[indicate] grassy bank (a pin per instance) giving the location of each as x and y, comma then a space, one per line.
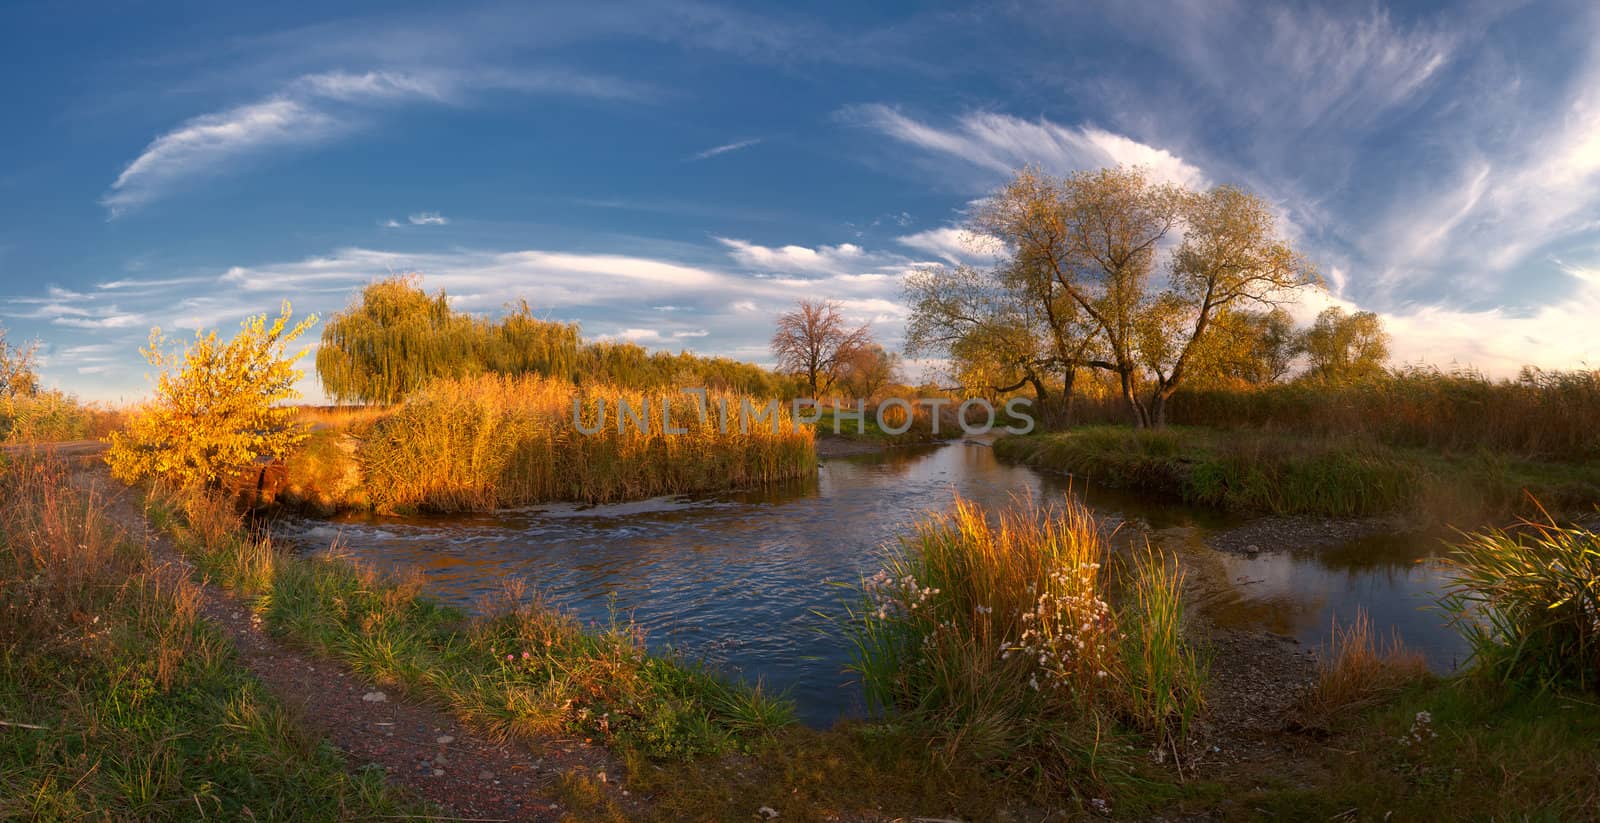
1281, 473
521, 670
489, 442
120, 701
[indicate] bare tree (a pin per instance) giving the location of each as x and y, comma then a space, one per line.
814, 340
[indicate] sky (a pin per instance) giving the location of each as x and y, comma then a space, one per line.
678, 173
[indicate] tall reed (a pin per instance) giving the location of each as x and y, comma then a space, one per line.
499, 441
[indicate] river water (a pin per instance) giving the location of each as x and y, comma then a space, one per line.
754, 583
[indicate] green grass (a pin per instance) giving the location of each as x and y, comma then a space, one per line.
142, 709
1480, 752
867, 429
522, 669
1528, 602
1271, 472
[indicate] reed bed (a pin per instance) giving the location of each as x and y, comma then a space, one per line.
994, 636
52, 417
1253, 470
1550, 415
120, 701
495, 441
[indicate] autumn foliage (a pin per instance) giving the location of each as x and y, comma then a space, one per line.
218, 407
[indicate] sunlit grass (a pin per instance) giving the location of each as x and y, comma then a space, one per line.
121, 701
522, 669
1528, 602
993, 636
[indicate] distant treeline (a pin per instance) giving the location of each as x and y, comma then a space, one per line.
396, 338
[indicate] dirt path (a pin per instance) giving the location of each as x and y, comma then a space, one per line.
418, 746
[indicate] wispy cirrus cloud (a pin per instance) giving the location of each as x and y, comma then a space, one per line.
1001, 144
314, 109
725, 148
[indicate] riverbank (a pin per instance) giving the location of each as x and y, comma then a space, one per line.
323, 636
1269, 472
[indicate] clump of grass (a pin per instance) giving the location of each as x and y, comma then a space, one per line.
121, 701
520, 669
1162, 676
1527, 600
1358, 668
994, 638
494, 441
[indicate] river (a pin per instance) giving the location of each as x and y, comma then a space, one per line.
754, 583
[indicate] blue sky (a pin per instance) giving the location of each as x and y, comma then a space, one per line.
676, 173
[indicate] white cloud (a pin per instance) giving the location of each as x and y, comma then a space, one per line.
314, 109
206, 143
954, 245
1003, 144
427, 218
725, 148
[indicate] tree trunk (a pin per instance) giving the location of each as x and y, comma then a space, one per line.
1136, 409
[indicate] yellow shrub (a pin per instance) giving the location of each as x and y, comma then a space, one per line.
217, 407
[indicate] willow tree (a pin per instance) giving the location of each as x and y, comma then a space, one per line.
997, 333
1231, 256
1088, 242
395, 338
1344, 348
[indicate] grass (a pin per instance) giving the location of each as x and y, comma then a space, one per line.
1541, 415
121, 701
1280, 473
993, 639
831, 423
1528, 602
52, 417
489, 442
1435, 750
1358, 668
521, 670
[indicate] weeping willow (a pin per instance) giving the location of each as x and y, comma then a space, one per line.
395, 338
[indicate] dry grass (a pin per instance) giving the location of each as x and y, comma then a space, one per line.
1358, 668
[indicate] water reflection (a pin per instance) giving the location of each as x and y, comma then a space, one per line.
743, 580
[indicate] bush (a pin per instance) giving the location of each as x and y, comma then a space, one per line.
217, 409
1528, 602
